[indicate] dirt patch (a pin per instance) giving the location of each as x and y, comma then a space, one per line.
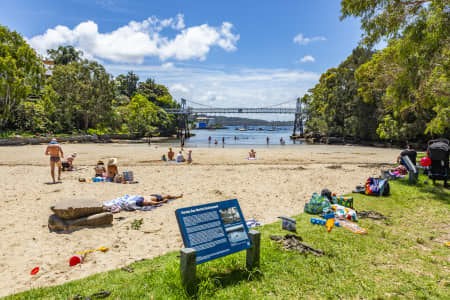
293, 242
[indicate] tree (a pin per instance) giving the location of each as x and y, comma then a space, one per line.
21, 74
86, 94
141, 115
127, 84
412, 73
334, 106
65, 55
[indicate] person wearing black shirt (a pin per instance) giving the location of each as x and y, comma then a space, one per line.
410, 152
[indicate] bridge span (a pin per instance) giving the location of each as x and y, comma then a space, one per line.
219, 110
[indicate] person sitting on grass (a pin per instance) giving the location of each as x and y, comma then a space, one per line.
156, 199
170, 154
410, 152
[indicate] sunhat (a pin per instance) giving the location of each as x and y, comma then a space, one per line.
112, 161
100, 162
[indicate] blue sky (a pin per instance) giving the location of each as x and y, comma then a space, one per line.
222, 53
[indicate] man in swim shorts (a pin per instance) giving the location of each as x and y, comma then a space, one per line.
54, 150
156, 199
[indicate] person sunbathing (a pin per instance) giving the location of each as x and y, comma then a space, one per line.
156, 199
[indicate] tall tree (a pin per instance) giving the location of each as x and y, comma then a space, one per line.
127, 84
21, 73
86, 93
412, 73
65, 55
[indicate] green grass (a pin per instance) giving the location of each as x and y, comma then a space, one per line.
402, 257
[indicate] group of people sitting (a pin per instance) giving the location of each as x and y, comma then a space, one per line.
110, 173
179, 158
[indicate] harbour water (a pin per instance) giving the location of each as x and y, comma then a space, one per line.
253, 136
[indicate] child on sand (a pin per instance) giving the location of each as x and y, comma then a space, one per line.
170, 154
189, 159
252, 154
163, 158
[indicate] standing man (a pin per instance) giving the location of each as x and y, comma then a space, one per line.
267, 140
54, 150
223, 140
182, 141
209, 140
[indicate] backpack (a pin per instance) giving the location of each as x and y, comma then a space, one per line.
317, 205
377, 187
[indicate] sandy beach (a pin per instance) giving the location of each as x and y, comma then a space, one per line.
278, 183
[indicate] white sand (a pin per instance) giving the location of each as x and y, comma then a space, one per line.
271, 186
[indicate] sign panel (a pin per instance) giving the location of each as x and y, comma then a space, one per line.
213, 230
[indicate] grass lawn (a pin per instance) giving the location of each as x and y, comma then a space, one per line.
402, 257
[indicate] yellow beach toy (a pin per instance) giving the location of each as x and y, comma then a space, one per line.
103, 249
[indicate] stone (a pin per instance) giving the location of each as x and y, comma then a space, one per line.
69, 209
58, 224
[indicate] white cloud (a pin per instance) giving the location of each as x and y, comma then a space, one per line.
228, 88
134, 42
168, 65
301, 40
307, 58
178, 88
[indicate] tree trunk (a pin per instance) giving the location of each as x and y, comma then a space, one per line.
86, 121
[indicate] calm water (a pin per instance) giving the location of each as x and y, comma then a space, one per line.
252, 136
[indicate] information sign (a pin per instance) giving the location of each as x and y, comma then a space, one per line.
213, 230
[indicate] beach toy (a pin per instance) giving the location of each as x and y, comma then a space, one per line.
103, 249
34, 271
329, 224
353, 227
75, 260
425, 161
315, 221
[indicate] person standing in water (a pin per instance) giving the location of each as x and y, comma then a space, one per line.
267, 140
54, 150
223, 140
209, 140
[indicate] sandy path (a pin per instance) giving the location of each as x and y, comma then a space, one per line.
278, 183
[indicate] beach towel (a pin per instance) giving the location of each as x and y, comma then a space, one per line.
252, 223
128, 203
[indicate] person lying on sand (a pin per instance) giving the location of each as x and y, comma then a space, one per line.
54, 150
156, 199
252, 154
170, 154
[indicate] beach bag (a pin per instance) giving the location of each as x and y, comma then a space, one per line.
344, 201
128, 175
317, 205
377, 187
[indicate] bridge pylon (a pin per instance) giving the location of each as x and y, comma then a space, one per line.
298, 121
